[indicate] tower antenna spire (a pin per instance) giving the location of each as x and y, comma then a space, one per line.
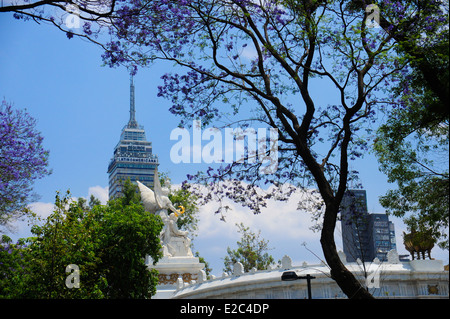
132, 122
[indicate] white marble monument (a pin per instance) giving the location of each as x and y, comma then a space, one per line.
178, 263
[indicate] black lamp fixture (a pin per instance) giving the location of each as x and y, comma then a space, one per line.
292, 275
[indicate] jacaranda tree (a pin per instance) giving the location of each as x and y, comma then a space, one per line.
257, 61
23, 159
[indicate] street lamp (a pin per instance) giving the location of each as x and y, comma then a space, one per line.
292, 275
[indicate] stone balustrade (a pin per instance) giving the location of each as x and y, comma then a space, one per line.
418, 279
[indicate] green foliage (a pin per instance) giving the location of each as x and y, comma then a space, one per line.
188, 220
412, 148
108, 243
418, 163
133, 234
419, 240
251, 251
207, 268
12, 258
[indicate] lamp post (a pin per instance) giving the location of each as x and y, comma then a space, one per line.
291, 276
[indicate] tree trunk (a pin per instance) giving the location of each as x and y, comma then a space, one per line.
339, 273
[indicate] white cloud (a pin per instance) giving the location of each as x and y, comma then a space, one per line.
249, 52
43, 210
22, 228
280, 219
281, 223
284, 220
102, 193
210, 225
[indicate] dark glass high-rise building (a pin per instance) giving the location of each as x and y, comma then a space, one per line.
383, 235
133, 157
364, 236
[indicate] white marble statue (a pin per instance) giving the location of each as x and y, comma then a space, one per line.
175, 242
156, 202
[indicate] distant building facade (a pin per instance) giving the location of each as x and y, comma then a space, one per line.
133, 157
364, 236
383, 235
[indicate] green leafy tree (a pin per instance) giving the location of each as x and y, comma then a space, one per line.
207, 268
412, 146
416, 159
66, 237
189, 219
108, 243
251, 251
13, 257
133, 234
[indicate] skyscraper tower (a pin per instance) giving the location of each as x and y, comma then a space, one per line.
355, 226
133, 157
364, 236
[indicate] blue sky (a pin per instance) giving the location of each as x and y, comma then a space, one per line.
81, 108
